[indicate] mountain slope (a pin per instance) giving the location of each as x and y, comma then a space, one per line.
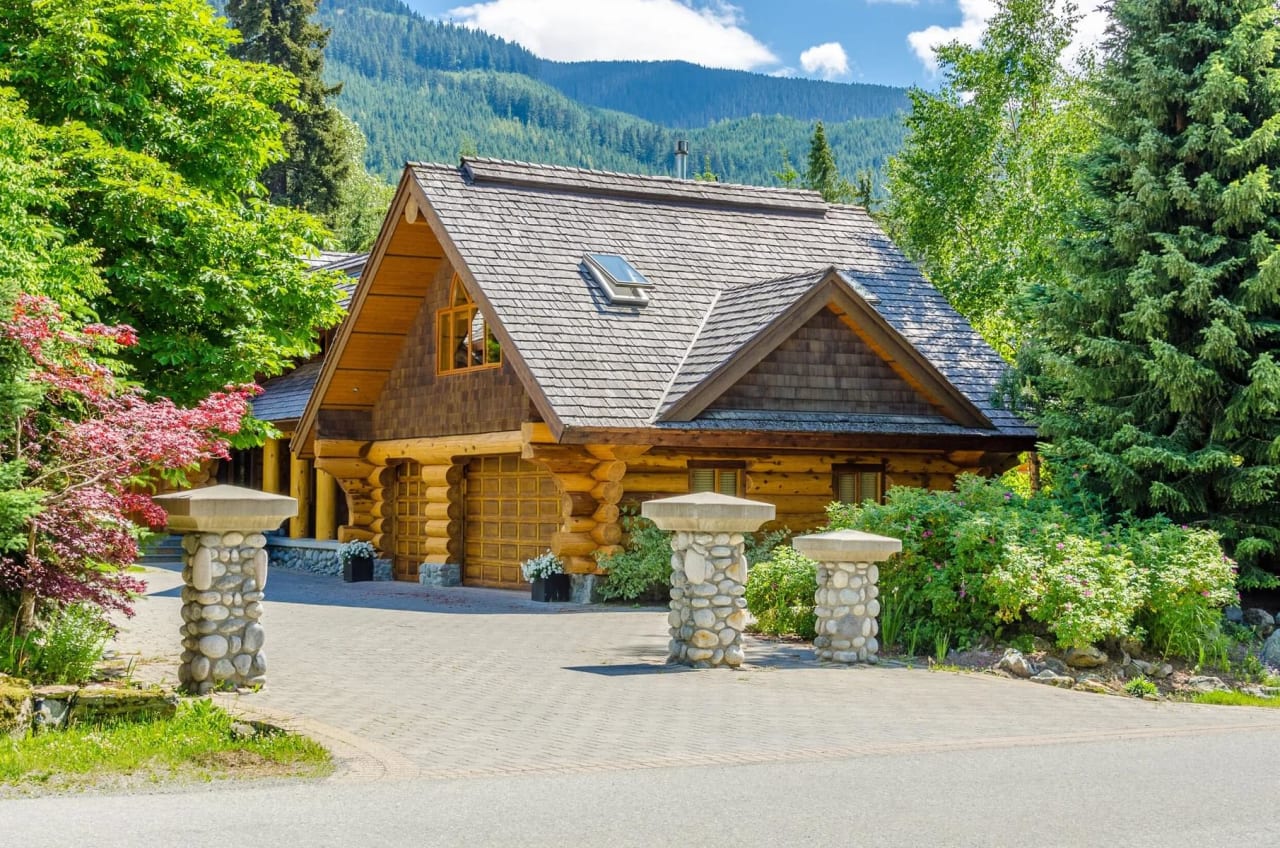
427, 90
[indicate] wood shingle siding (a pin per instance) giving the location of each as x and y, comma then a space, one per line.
416, 401
824, 368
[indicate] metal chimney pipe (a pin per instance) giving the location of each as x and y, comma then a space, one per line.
682, 160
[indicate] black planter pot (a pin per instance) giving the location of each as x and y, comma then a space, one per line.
553, 588
357, 570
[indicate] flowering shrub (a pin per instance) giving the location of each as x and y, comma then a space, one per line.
780, 594
541, 567
359, 549
984, 561
78, 449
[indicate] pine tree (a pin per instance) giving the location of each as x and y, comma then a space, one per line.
282, 33
1161, 367
822, 175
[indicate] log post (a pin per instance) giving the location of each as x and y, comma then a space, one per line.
326, 505
271, 466
300, 486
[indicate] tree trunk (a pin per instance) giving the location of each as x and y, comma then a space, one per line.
26, 612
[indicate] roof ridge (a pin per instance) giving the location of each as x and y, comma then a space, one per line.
693, 342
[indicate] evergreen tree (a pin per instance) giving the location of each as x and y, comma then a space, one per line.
822, 175
282, 33
1161, 367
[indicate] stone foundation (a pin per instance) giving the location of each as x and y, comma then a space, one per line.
315, 556
224, 574
440, 574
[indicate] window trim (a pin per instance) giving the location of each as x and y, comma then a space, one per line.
720, 467
856, 468
445, 317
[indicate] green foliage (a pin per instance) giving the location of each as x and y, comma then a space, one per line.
158, 136
822, 175
780, 594
984, 562
1158, 372
983, 189
196, 744
1139, 686
1235, 699
644, 565
66, 649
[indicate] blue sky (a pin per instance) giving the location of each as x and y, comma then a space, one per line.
875, 41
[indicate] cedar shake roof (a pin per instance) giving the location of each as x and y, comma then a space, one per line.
725, 262
333, 260
285, 397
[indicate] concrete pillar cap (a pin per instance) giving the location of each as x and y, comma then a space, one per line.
223, 508
846, 546
707, 512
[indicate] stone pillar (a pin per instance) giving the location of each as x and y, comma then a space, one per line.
224, 575
708, 573
847, 601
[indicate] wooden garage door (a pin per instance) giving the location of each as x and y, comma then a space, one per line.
410, 530
512, 511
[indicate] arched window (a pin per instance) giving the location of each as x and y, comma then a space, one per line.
463, 338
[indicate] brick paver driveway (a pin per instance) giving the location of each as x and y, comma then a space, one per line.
405, 681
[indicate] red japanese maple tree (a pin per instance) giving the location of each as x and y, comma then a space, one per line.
80, 451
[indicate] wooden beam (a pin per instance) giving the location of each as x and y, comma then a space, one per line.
271, 466
442, 449
326, 505
300, 488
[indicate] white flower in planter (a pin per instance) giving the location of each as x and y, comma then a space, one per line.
356, 550
541, 567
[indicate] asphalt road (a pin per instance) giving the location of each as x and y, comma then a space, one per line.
1208, 790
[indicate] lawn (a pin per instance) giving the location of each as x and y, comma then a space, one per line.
196, 745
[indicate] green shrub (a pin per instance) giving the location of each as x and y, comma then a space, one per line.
780, 594
1139, 686
644, 566
982, 561
65, 650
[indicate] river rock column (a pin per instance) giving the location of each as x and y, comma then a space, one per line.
847, 600
708, 574
224, 574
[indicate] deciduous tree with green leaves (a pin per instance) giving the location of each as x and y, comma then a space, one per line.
1159, 374
159, 137
983, 191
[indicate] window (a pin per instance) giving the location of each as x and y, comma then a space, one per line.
621, 283
853, 484
463, 338
722, 478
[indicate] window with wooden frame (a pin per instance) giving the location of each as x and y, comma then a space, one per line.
853, 484
723, 478
463, 339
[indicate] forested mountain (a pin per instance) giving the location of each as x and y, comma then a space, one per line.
426, 90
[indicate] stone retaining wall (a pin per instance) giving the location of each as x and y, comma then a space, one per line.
315, 556
24, 708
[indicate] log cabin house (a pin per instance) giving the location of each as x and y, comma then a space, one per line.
532, 348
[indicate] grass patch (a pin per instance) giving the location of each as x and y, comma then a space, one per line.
1236, 699
197, 744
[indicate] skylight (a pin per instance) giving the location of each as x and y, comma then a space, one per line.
621, 283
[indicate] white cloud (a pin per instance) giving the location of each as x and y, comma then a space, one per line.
826, 60
580, 30
974, 15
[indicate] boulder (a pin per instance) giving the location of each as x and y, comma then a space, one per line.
1261, 621
1052, 679
1092, 684
1015, 663
1207, 684
15, 706
1270, 654
1233, 614
1089, 657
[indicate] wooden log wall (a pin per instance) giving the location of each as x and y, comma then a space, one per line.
798, 484
589, 479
